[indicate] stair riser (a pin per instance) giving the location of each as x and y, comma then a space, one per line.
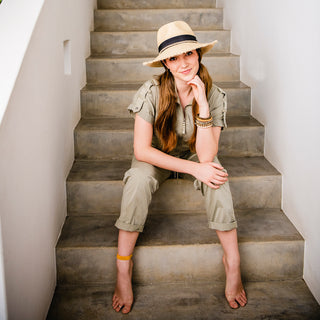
95, 144
136, 20
148, 4
98, 197
104, 71
114, 103
182, 263
145, 44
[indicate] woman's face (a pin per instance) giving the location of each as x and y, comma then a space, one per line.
185, 66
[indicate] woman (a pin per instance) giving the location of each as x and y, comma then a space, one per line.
178, 120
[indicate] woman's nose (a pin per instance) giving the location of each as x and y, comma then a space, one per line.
184, 62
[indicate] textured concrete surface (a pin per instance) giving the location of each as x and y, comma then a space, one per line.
101, 70
280, 300
113, 100
87, 170
153, 19
112, 138
120, 43
180, 247
177, 259
96, 187
151, 4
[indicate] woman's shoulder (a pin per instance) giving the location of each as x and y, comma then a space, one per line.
149, 85
216, 92
149, 90
145, 100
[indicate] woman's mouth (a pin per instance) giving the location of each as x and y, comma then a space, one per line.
186, 71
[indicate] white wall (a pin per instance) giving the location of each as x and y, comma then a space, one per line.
279, 44
19, 18
36, 148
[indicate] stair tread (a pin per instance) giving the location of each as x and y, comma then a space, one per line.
279, 300
109, 4
136, 85
144, 57
126, 124
111, 170
121, 32
161, 11
255, 225
147, 19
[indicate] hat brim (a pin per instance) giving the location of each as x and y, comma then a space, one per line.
178, 49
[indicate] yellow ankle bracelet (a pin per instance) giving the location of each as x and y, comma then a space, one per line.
124, 257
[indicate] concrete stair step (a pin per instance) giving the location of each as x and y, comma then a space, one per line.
281, 300
112, 138
150, 4
223, 67
95, 187
153, 19
144, 42
180, 248
113, 100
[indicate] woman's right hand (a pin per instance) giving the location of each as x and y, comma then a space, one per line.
211, 174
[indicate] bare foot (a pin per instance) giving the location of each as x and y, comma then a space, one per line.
123, 295
234, 290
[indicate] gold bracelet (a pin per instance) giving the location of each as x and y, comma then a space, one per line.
209, 119
201, 124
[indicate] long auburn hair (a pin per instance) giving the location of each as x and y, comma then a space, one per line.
166, 121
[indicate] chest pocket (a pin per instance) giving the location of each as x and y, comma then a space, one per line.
144, 102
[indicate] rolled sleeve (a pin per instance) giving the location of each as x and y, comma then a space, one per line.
143, 103
218, 107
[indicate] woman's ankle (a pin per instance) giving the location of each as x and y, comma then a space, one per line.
232, 261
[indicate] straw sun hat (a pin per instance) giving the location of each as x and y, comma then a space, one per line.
176, 38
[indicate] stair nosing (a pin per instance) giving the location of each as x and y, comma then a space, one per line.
99, 57
198, 218
73, 177
121, 86
161, 10
119, 32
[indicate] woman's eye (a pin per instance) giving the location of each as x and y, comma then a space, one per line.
189, 53
173, 59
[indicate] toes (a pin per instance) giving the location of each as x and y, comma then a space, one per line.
242, 301
116, 304
115, 301
232, 301
126, 309
117, 307
233, 304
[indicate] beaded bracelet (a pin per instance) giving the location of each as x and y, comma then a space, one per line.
203, 119
204, 122
204, 125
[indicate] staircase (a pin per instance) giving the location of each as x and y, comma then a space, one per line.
178, 272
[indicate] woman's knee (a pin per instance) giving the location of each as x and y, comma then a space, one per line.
139, 181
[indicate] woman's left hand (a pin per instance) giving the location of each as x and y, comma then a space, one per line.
199, 91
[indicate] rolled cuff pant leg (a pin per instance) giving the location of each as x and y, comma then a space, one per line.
218, 203
219, 208
141, 181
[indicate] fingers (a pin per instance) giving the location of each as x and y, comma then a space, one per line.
212, 185
216, 165
212, 174
196, 81
198, 88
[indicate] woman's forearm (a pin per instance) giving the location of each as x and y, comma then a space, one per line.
207, 140
207, 143
162, 160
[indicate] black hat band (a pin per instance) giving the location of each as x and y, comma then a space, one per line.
173, 40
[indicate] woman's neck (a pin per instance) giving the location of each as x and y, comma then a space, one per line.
185, 93
182, 87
